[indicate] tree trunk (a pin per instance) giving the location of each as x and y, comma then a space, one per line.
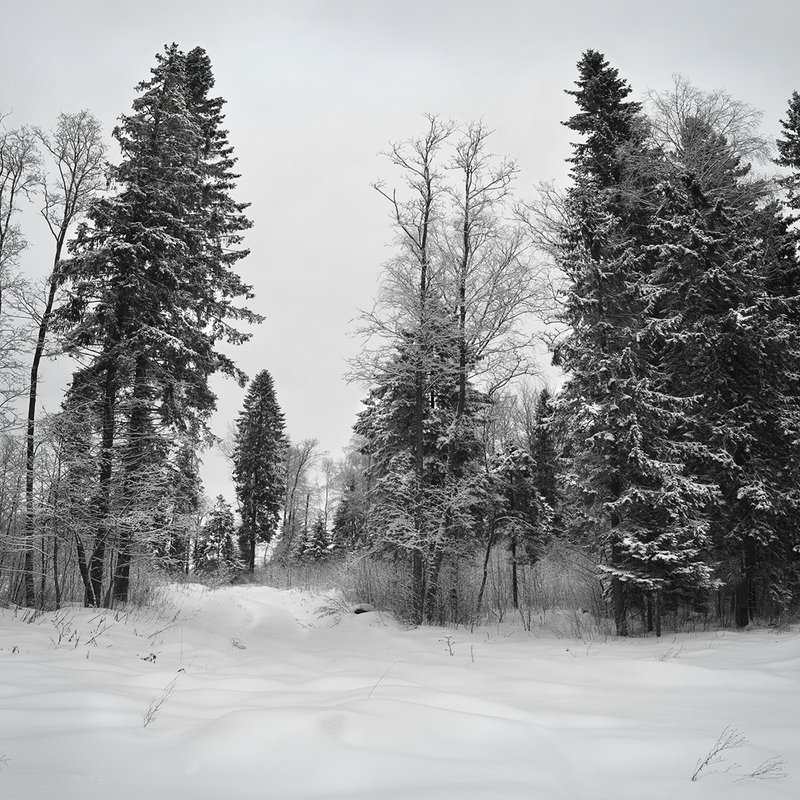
136, 463
432, 588
28, 594
485, 576
122, 574
744, 591
453, 592
56, 583
619, 594
514, 577
83, 568
43, 570
96, 565
251, 542
30, 438
657, 603
418, 586
619, 602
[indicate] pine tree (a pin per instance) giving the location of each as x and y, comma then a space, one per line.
258, 465
153, 289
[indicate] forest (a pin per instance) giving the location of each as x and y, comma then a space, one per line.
588, 399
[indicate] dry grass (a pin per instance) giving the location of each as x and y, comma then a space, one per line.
560, 594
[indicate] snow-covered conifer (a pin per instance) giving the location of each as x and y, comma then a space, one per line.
215, 551
627, 466
258, 465
152, 285
789, 154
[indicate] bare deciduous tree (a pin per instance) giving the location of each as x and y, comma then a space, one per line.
680, 120
453, 323
300, 460
19, 169
493, 282
76, 150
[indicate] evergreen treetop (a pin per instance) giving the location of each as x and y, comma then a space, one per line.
605, 118
789, 154
152, 275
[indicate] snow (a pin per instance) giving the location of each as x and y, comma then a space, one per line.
283, 694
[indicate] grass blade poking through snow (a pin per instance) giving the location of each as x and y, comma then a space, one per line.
156, 703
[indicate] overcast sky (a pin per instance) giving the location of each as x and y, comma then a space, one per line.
315, 89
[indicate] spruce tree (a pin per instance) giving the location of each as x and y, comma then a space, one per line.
215, 551
628, 466
789, 155
726, 281
186, 489
258, 466
544, 452
350, 518
349, 530
603, 307
152, 283
317, 542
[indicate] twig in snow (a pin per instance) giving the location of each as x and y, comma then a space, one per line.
729, 739
385, 673
771, 769
157, 702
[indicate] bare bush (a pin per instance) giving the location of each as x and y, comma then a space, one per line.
730, 739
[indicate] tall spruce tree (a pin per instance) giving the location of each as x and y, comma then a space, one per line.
628, 465
153, 287
602, 306
726, 284
259, 466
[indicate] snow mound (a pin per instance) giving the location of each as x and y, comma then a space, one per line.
252, 692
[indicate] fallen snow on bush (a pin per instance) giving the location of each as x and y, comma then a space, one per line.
252, 692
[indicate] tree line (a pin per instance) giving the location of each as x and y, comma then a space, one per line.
669, 453
663, 279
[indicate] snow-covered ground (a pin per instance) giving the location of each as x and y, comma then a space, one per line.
251, 692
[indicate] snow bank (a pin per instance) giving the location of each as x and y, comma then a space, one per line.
250, 693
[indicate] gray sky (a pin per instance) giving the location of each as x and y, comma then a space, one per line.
315, 89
